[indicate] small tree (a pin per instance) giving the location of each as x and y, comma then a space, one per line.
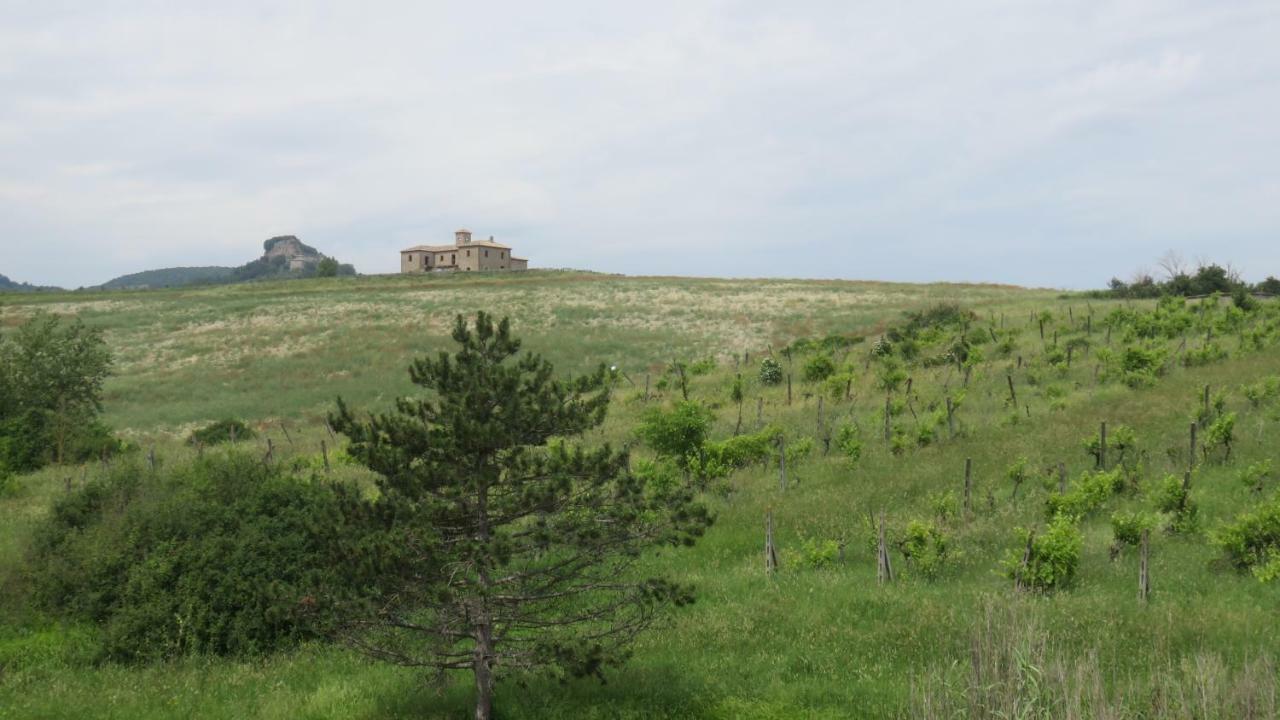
327, 267
522, 547
678, 433
53, 372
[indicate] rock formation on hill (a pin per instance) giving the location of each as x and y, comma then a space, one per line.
283, 257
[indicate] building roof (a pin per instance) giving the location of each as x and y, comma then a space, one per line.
453, 248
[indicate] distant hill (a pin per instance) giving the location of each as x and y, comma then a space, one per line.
7, 285
283, 257
170, 277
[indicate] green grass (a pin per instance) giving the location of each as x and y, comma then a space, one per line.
825, 642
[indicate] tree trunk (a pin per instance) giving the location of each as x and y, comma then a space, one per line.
483, 672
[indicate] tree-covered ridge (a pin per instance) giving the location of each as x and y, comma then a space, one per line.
12, 285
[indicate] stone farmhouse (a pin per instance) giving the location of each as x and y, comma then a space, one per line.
463, 254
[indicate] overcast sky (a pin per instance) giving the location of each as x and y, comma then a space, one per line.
1040, 143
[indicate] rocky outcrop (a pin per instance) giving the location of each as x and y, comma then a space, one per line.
297, 254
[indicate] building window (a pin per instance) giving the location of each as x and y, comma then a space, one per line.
453, 258
502, 253
486, 253
468, 253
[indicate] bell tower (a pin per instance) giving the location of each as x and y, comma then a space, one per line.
462, 237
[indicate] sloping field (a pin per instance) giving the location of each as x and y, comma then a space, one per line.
1030, 377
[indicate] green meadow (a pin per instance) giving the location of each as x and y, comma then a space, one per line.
821, 637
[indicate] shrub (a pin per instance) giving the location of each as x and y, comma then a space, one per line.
1253, 476
849, 441
1088, 493
743, 450
1252, 542
703, 366
676, 433
945, 505
838, 383
221, 432
1017, 473
1174, 500
770, 372
1140, 366
1208, 353
1221, 434
926, 548
224, 556
799, 449
1121, 442
817, 553
891, 375
818, 368
1262, 391
1053, 558
1127, 527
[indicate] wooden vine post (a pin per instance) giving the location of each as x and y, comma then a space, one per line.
1102, 446
1191, 456
770, 553
951, 423
1144, 578
1018, 583
968, 483
324, 453
1013, 394
884, 569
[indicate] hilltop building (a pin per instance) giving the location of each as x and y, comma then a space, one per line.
463, 254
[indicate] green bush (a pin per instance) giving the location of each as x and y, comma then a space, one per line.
221, 432
1174, 500
1254, 476
770, 372
1221, 435
1086, 494
703, 366
1018, 473
1052, 561
814, 553
926, 548
849, 441
818, 368
1252, 542
677, 433
224, 556
1127, 527
1122, 441
1204, 355
945, 505
743, 450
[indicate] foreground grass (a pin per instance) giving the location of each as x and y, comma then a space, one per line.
811, 642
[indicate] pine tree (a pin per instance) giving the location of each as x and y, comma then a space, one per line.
524, 545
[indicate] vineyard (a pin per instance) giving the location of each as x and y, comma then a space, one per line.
930, 501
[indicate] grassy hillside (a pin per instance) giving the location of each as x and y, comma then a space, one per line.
821, 638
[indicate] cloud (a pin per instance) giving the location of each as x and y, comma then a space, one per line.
1041, 143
